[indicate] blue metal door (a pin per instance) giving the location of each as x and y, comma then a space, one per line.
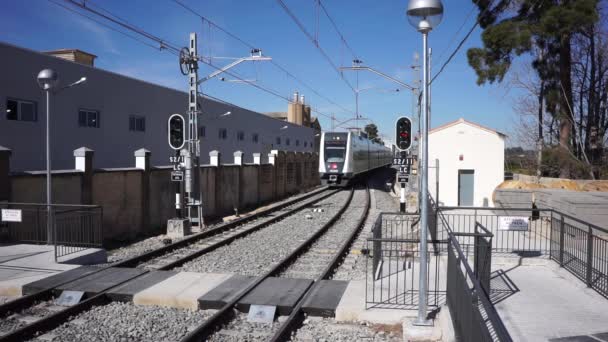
466, 187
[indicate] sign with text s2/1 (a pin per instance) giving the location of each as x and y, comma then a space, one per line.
403, 161
11, 215
515, 223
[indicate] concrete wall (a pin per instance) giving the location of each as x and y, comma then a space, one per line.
139, 201
119, 192
31, 187
482, 151
118, 97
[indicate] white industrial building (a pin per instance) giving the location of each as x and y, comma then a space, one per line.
471, 163
115, 115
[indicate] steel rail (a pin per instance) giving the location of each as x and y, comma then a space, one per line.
226, 313
54, 320
296, 318
132, 262
29, 300
46, 322
228, 240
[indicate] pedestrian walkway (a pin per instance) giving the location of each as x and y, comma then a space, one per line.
539, 301
23, 263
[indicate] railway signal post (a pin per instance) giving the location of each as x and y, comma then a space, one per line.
403, 142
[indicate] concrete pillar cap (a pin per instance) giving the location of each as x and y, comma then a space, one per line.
83, 152
5, 150
214, 153
142, 152
238, 153
257, 154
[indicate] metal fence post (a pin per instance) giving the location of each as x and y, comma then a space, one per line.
550, 235
561, 241
590, 257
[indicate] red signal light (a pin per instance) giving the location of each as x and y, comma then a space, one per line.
334, 166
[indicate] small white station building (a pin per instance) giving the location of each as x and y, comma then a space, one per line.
471, 163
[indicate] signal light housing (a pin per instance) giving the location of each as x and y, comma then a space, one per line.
176, 131
403, 133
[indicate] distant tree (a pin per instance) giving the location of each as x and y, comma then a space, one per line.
545, 30
372, 133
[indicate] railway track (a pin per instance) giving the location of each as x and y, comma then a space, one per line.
227, 324
45, 316
28, 315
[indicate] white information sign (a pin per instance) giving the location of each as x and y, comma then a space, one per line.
517, 223
261, 313
69, 298
11, 215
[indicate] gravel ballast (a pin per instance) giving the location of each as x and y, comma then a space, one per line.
311, 264
28, 315
154, 242
354, 265
260, 251
140, 247
328, 330
203, 243
239, 329
120, 322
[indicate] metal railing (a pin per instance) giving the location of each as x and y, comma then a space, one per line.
582, 249
393, 273
473, 315
578, 246
75, 228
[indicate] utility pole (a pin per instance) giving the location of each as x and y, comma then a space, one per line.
189, 200
192, 159
189, 155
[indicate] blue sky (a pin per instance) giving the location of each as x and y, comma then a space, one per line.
377, 31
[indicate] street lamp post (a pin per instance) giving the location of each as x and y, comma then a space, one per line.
47, 80
424, 15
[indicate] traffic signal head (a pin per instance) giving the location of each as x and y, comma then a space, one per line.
176, 131
403, 135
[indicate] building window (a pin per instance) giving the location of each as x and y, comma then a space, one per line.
287, 141
255, 138
305, 143
297, 142
201, 132
278, 140
21, 110
240, 135
88, 118
137, 123
222, 134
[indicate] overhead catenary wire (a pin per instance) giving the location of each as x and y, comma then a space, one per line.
312, 39
56, 2
165, 45
449, 45
466, 37
333, 23
273, 62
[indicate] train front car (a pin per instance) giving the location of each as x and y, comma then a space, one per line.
333, 158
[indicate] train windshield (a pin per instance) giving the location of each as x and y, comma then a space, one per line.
335, 154
335, 147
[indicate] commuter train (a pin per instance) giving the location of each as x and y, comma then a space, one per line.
344, 156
